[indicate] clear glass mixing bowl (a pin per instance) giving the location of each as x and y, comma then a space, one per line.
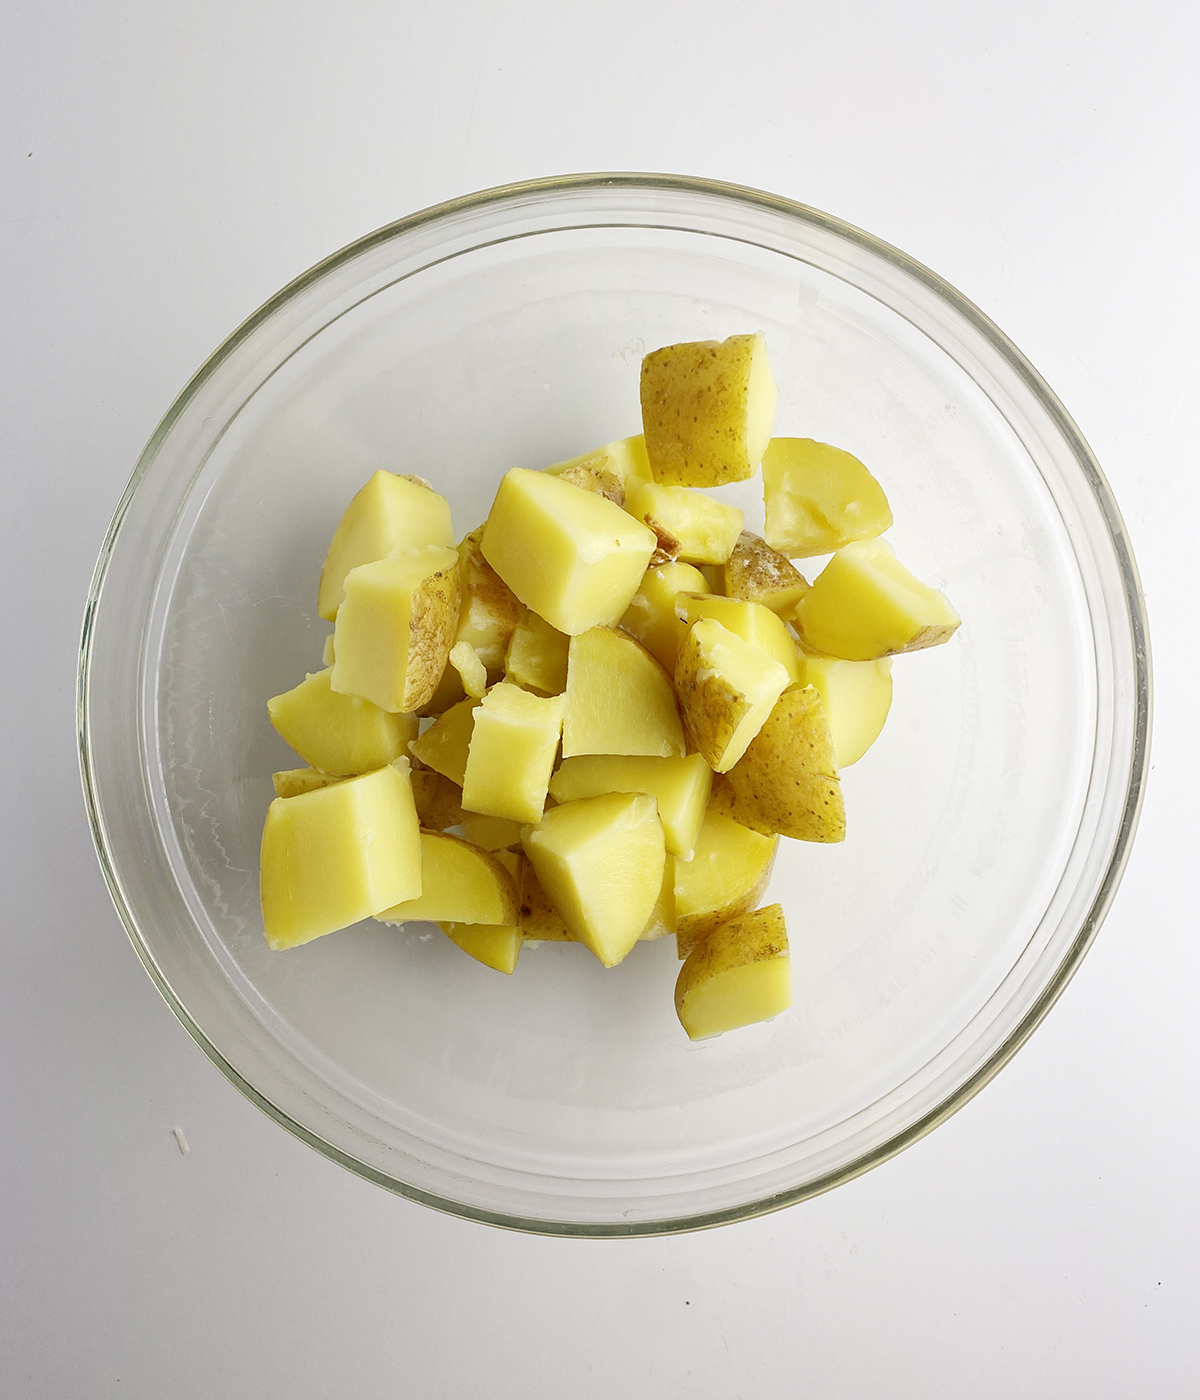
987, 828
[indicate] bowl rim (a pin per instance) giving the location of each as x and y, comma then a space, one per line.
1049, 402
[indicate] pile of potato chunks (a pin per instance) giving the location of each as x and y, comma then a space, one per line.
600, 689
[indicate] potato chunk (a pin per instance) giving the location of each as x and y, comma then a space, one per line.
537, 656
472, 673
444, 745
495, 946
601, 862
760, 574
539, 920
865, 604
753, 622
390, 515
857, 696
293, 781
818, 498
707, 410
786, 781
690, 526
439, 801
624, 459
680, 786
618, 699
726, 688
511, 753
570, 555
459, 884
338, 854
739, 975
489, 609
395, 628
338, 734
650, 616
726, 877
491, 833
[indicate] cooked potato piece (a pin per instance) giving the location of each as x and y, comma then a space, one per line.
511, 753
494, 945
865, 604
739, 975
787, 779
726, 689
760, 574
753, 622
650, 616
390, 515
818, 498
471, 670
327, 651
439, 801
857, 696
570, 555
726, 877
690, 526
537, 656
539, 920
338, 734
491, 833
395, 628
459, 884
595, 479
707, 410
338, 854
489, 609
680, 786
663, 919
445, 744
449, 692
618, 699
293, 781
624, 459
601, 861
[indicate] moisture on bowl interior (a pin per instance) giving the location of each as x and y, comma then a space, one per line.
594, 718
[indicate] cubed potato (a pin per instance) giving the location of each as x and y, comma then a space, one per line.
680, 786
293, 781
663, 920
786, 782
760, 574
707, 409
690, 526
338, 854
570, 555
439, 801
471, 671
739, 975
511, 753
495, 946
338, 734
865, 604
753, 622
595, 479
818, 498
489, 609
601, 862
327, 651
538, 919
619, 700
857, 696
726, 690
624, 459
459, 884
445, 744
726, 877
390, 515
395, 628
650, 617
491, 833
537, 656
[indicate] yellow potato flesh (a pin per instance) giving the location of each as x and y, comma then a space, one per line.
650, 617
625, 459
865, 604
390, 515
494, 946
336, 855
600, 862
753, 622
338, 734
491, 833
445, 744
857, 696
759, 574
690, 526
573, 557
680, 786
618, 699
471, 671
293, 781
726, 689
537, 656
511, 753
739, 975
395, 628
726, 877
663, 919
707, 410
818, 498
459, 884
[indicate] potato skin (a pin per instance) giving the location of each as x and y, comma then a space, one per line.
431, 629
711, 708
757, 937
760, 574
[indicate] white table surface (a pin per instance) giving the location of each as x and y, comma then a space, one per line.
166, 167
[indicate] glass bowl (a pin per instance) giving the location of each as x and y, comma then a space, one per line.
988, 827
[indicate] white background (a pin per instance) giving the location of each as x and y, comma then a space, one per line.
166, 167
